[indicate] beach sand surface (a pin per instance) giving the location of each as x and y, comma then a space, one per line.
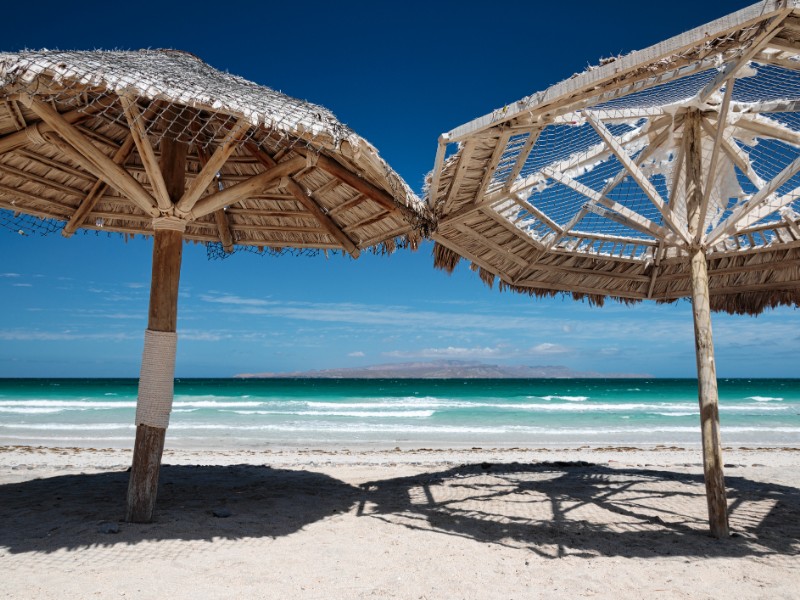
417, 524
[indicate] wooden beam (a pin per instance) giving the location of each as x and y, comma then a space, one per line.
580, 289
577, 159
656, 143
638, 176
583, 272
784, 45
519, 201
712, 165
16, 114
14, 193
533, 137
461, 169
693, 155
98, 189
666, 57
657, 255
634, 219
146, 153
241, 191
23, 137
51, 184
451, 245
494, 161
94, 160
502, 251
736, 154
309, 203
211, 166
729, 71
56, 166
518, 231
775, 60
220, 216
360, 184
741, 216
438, 165
766, 127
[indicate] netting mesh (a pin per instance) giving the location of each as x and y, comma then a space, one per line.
181, 86
124, 105
575, 177
28, 225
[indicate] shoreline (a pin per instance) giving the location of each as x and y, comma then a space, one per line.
657, 455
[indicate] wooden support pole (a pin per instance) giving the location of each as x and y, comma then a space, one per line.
704, 345
158, 362
708, 395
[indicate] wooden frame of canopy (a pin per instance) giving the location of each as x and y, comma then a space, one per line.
158, 143
671, 172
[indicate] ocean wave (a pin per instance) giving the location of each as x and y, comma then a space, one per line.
567, 398
678, 414
215, 404
411, 414
68, 426
764, 399
446, 429
30, 410
69, 404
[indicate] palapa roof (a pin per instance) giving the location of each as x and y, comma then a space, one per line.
81, 136
602, 185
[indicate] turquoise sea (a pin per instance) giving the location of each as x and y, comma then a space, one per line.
345, 413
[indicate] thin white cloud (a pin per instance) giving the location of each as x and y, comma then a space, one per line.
234, 300
22, 284
199, 335
10, 275
357, 354
548, 348
18, 335
449, 352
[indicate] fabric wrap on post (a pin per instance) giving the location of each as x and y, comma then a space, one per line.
157, 379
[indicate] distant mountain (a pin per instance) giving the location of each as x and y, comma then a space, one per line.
442, 369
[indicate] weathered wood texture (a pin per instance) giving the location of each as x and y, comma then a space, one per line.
163, 316
143, 482
80, 141
704, 344
708, 395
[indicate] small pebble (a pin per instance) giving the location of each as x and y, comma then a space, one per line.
221, 513
108, 528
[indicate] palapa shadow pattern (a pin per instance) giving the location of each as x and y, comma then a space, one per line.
593, 510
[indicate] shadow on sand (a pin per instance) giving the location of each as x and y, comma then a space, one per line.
552, 509
581, 509
69, 511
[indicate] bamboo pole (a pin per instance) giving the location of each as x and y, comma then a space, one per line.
156, 380
704, 344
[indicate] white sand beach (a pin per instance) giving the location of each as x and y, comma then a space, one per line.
421, 524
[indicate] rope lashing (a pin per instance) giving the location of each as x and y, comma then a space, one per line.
156, 380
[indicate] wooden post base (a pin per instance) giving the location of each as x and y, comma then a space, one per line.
143, 483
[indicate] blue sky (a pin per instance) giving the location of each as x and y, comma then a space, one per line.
399, 76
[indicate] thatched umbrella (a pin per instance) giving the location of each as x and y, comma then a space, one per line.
159, 143
671, 172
